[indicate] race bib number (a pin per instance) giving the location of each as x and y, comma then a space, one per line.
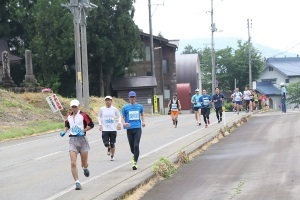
134, 115
205, 102
109, 120
174, 106
76, 129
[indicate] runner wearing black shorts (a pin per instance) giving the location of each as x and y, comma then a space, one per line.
106, 118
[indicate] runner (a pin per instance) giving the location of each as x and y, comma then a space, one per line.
233, 102
246, 98
133, 120
106, 119
218, 99
237, 96
205, 100
78, 123
197, 106
175, 106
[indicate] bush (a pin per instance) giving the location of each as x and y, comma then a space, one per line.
164, 168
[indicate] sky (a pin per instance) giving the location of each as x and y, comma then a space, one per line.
274, 22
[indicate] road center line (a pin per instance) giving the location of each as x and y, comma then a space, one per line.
51, 154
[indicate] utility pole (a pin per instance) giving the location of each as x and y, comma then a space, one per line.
249, 25
85, 69
79, 8
213, 62
151, 45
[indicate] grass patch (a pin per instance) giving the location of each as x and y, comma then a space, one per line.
30, 129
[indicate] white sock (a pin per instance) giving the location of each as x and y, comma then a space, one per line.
77, 181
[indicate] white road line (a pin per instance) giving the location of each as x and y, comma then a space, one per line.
51, 154
116, 168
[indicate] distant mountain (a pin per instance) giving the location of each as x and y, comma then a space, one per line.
222, 43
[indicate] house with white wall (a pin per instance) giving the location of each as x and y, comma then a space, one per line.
278, 70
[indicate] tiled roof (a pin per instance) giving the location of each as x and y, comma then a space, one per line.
289, 66
267, 88
4, 47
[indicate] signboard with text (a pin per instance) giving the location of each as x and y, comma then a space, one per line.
54, 103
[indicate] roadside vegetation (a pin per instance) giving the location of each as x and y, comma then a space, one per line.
28, 114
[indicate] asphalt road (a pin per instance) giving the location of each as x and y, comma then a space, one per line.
39, 167
260, 161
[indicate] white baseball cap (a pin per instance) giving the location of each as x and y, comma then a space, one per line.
197, 90
74, 102
108, 97
282, 83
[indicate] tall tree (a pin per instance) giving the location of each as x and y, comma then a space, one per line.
231, 64
113, 40
52, 44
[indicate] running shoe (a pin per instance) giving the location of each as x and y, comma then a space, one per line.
108, 151
219, 121
206, 125
134, 166
86, 172
112, 158
78, 186
199, 124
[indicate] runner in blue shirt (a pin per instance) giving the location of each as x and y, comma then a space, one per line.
205, 100
197, 106
218, 99
133, 120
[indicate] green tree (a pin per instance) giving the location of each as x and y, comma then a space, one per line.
293, 93
113, 40
231, 64
52, 44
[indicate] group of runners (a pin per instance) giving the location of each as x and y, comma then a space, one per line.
110, 121
202, 105
132, 119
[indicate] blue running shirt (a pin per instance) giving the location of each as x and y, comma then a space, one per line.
132, 114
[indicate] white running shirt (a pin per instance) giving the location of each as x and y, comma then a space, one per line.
247, 94
107, 116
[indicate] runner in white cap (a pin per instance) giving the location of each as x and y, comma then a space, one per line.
107, 124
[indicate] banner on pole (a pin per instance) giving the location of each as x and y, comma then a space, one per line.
54, 103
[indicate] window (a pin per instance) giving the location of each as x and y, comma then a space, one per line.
287, 80
167, 92
270, 69
147, 52
165, 66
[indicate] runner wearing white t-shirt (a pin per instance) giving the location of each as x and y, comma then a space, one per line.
237, 96
107, 124
246, 96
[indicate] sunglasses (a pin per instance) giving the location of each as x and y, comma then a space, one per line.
74, 106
